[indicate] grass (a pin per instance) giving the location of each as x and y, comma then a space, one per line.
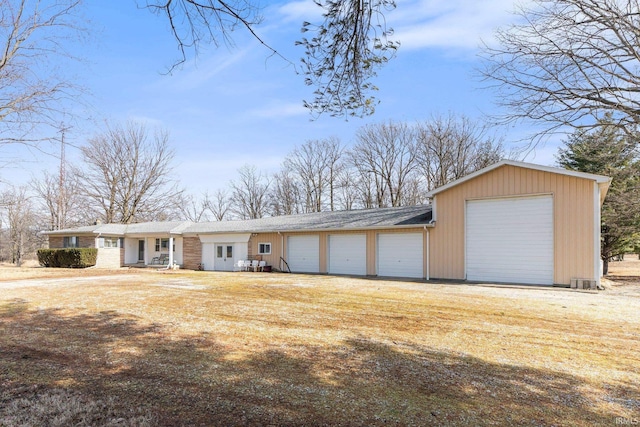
200, 348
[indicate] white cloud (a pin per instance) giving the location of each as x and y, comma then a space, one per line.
448, 24
299, 11
149, 121
280, 109
196, 73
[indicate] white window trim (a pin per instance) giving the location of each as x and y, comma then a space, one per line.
264, 244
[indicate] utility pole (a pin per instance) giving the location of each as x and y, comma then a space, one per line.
61, 216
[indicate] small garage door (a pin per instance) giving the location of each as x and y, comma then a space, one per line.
400, 255
348, 254
303, 254
510, 240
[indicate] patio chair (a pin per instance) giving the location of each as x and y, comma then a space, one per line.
155, 260
164, 259
239, 265
261, 265
254, 265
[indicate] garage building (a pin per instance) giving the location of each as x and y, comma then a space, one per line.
511, 222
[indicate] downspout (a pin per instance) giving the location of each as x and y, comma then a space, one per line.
428, 251
597, 255
281, 248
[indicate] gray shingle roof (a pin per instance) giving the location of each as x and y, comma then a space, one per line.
336, 220
164, 227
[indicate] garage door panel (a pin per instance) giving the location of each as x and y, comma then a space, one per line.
303, 254
510, 240
348, 254
400, 255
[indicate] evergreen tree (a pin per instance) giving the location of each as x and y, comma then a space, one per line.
608, 150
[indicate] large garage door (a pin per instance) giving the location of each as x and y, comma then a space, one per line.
400, 255
510, 240
303, 254
348, 254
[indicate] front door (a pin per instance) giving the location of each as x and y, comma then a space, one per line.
224, 257
140, 250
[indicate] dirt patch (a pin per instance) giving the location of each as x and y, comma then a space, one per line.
624, 276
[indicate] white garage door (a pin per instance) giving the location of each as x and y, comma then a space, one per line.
348, 254
303, 254
400, 255
510, 240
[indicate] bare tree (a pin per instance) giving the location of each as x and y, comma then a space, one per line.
347, 189
340, 58
386, 153
249, 198
452, 147
61, 200
127, 174
23, 222
219, 205
316, 163
414, 192
32, 32
194, 209
568, 63
285, 194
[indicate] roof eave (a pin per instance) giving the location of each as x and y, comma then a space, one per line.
600, 179
314, 230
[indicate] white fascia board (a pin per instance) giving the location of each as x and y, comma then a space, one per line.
225, 238
600, 179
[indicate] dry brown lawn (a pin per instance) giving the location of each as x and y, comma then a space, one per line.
137, 348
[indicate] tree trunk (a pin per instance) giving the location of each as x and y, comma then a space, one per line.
605, 266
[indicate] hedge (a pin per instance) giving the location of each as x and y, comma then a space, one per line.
68, 258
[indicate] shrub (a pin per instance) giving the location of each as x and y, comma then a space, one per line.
46, 257
68, 258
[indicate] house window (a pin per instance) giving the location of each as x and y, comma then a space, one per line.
70, 242
264, 248
163, 245
109, 242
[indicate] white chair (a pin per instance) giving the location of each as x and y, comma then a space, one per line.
261, 265
254, 265
247, 265
239, 265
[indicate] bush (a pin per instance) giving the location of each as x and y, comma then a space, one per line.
46, 257
68, 258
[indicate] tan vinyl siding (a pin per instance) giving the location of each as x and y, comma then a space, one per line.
277, 247
573, 219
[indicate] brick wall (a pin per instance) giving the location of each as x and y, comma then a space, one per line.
192, 253
86, 242
55, 242
250, 247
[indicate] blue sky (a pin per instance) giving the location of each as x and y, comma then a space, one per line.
235, 104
